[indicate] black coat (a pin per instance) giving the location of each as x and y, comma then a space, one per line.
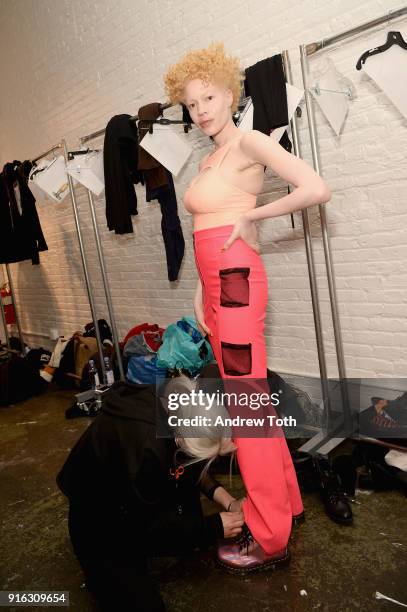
266, 84
21, 233
120, 159
118, 465
124, 504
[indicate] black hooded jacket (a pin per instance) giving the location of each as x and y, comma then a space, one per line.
118, 465
21, 233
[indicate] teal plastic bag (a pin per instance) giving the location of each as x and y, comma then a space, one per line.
180, 349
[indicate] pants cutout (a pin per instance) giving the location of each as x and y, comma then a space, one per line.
236, 358
234, 287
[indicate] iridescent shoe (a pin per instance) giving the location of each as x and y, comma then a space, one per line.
245, 555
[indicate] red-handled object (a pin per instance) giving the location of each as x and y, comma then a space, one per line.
8, 306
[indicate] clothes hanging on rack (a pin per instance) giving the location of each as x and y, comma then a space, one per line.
170, 225
266, 84
21, 233
122, 171
155, 174
120, 159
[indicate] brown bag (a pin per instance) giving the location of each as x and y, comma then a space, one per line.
85, 348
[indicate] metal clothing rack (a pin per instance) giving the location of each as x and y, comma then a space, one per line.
133, 118
62, 145
10, 279
98, 241
324, 443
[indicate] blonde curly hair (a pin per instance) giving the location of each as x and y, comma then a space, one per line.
211, 65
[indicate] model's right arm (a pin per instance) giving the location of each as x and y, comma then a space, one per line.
198, 298
199, 310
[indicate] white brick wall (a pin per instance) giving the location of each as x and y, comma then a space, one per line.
67, 67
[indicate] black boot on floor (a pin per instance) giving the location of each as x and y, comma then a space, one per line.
336, 505
346, 470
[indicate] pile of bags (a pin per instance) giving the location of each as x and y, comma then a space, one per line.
153, 353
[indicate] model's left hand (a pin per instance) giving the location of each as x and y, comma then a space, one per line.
247, 231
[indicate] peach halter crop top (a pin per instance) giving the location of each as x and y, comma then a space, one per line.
211, 199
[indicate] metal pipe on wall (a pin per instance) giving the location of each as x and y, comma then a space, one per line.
85, 266
106, 285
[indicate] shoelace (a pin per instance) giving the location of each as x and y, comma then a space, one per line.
245, 539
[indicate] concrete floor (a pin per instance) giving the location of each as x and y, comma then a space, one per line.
333, 567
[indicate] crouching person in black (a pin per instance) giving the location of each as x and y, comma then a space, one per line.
132, 496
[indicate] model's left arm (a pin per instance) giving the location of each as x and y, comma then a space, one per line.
309, 188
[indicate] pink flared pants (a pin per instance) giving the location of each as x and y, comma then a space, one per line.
235, 293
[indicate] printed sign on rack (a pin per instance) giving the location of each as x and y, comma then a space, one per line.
52, 180
167, 147
88, 170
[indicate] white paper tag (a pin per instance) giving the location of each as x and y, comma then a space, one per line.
53, 181
88, 170
389, 70
294, 97
167, 148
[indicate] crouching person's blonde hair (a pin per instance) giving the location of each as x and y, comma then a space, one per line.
205, 441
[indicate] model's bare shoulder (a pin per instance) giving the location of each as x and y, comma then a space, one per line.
253, 140
252, 145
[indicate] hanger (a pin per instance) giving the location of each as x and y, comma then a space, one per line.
165, 121
71, 154
393, 38
35, 170
347, 92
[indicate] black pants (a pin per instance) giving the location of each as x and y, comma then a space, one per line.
114, 564
108, 545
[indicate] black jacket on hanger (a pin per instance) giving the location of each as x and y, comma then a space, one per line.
126, 506
120, 159
21, 233
266, 84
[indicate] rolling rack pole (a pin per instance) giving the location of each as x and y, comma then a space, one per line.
331, 442
85, 266
312, 276
106, 285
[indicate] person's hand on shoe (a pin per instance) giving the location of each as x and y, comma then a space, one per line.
232, 523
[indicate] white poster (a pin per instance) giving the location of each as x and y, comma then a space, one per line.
88, 170
167, 148
389, 70
52, 180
